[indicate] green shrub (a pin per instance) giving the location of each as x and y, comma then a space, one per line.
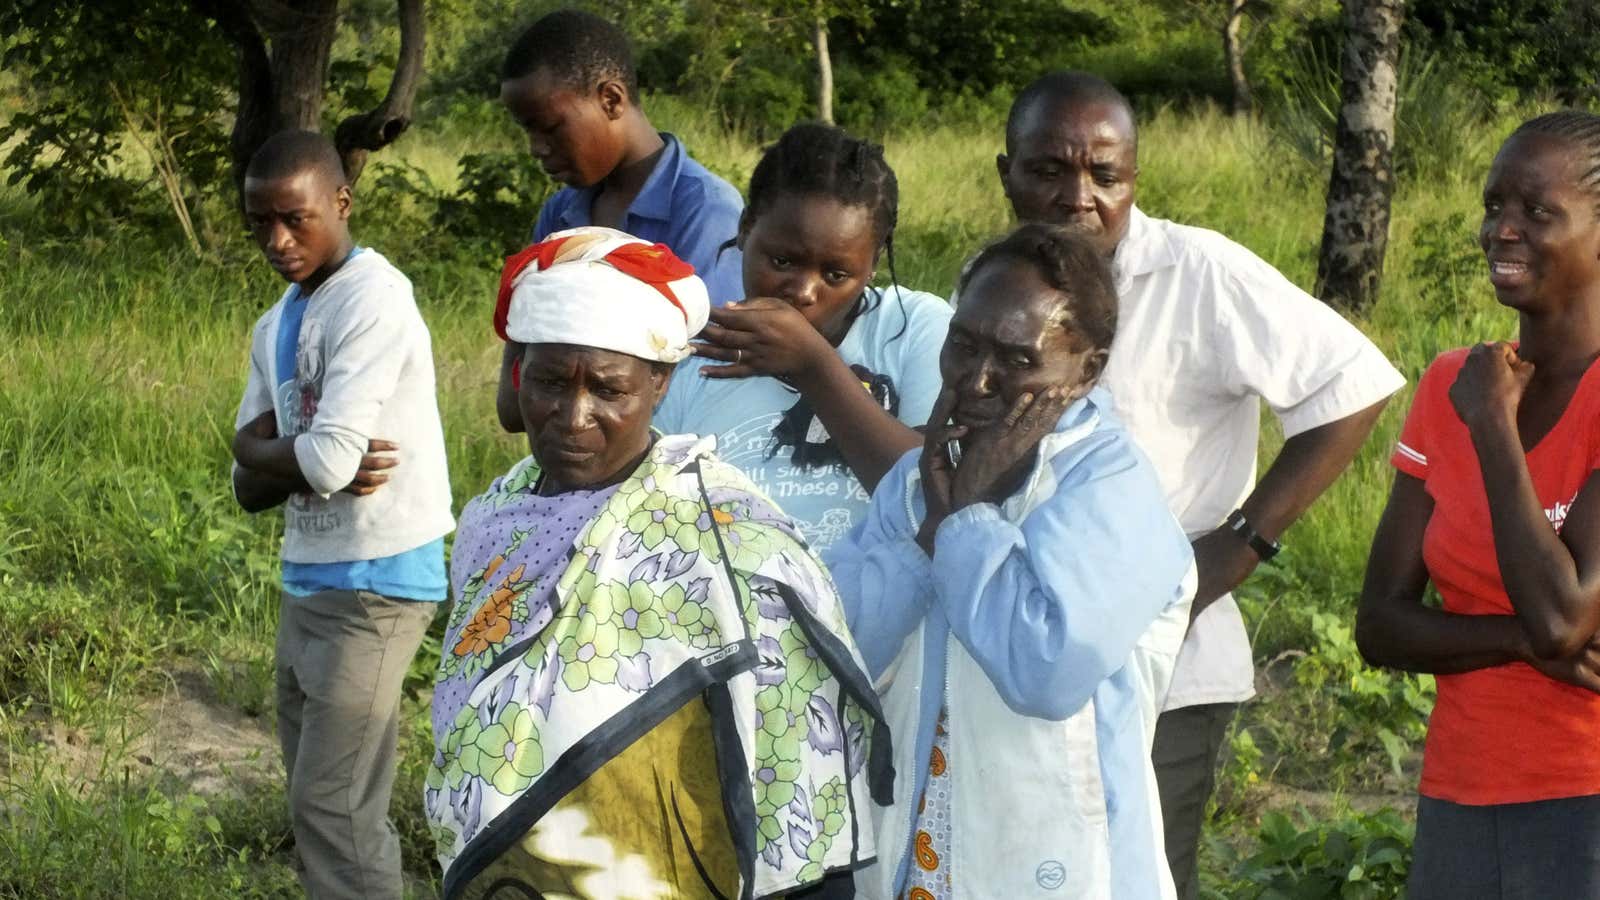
1359, 857
1334, 722
489, 214
872, 99
1438, 120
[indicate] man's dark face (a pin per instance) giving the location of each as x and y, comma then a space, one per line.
570, 132
1073, 163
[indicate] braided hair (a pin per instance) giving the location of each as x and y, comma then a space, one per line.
816, 160
1580, 128
1069, 264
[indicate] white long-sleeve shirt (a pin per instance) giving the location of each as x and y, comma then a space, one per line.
364, 368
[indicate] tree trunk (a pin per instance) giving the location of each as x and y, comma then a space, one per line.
1355, 230
301, 34
252, 123
1233, 50
284, 48
819, 37
359, 135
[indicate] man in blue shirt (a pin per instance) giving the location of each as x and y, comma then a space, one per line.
569, 82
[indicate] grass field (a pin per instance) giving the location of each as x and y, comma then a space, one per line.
137, 604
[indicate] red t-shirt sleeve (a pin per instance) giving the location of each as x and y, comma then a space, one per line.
1430, 402
1411, 450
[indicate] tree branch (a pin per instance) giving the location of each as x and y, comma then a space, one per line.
359, 135
253, 122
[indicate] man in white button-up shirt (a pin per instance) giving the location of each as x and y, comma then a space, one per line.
1207, 330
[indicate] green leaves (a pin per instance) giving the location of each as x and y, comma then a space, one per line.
1362, 857
66, 149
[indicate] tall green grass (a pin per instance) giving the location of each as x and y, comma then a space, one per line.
122, 555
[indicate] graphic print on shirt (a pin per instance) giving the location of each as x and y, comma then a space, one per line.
298, 397
749, 446
1558, 514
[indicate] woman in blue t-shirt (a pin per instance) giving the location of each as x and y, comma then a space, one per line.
814, 384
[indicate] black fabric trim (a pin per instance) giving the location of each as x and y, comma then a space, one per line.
694, 857
597, 748
849, 792
853, 682
506, 884
738, 799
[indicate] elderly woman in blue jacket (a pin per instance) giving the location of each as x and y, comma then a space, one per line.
1019, 591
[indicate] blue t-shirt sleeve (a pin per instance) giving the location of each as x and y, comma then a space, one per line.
545, 225
919, 379
709, 221
673, 411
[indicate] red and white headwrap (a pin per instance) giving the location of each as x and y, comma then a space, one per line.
599, 287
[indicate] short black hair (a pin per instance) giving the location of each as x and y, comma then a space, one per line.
1063, 87
1580, 128
1068, 263
579, 48
289, 153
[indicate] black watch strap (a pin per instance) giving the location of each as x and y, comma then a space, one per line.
1240, 526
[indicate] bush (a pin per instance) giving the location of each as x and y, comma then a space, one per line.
1361, 857
769, 91
102, 85
871, 99
1437, 120
1523, 47
489, 214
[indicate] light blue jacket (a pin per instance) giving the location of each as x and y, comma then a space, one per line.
1047, 629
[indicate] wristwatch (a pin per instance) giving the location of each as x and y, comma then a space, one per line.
1239, 525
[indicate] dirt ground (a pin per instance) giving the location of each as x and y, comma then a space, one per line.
183, 732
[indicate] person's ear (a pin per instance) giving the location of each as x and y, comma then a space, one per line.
613, 97
343, 199
661, 379
1094, 364
1002, 165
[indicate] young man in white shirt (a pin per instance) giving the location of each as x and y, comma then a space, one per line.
339, 425
1207, 331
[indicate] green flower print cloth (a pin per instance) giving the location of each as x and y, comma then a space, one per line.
671, 707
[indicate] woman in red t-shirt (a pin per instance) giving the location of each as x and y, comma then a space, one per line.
1497, 503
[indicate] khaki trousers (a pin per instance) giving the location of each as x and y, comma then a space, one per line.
341, 661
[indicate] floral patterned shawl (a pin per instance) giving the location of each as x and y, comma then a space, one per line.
683, 583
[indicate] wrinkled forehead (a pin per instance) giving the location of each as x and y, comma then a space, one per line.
596, 360
1008, 302
1062, 124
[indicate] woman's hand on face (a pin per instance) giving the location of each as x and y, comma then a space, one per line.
993, 455
1490, 384
762, 336
936, 467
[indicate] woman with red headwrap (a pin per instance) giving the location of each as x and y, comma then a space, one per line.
646, 686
